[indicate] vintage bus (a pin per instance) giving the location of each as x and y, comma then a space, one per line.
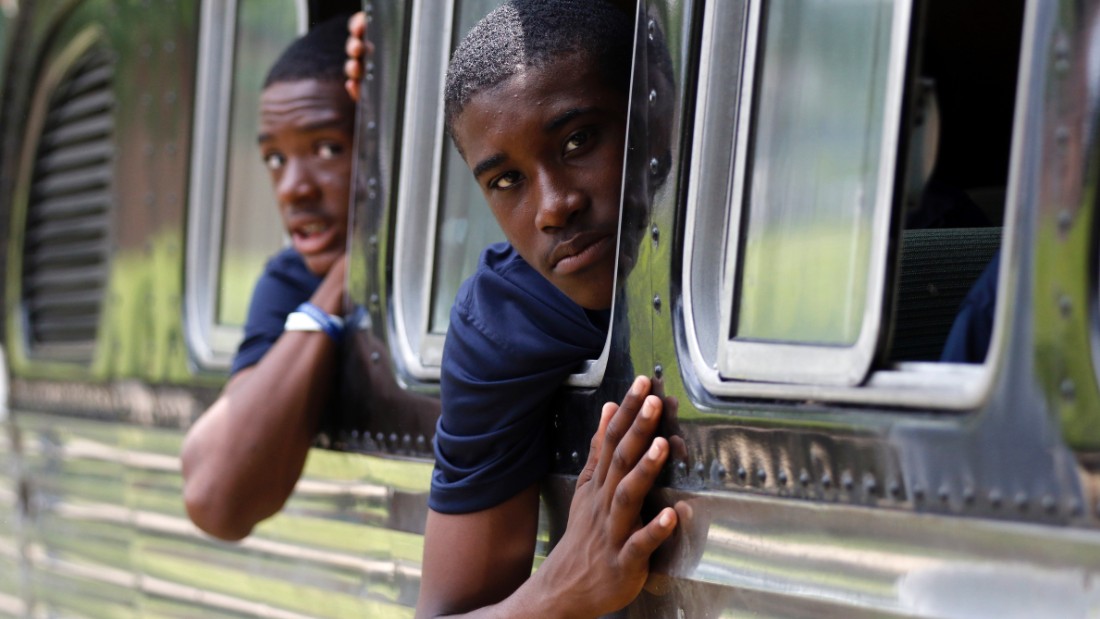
812, 188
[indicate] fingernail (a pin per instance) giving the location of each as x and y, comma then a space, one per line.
647, 410
636, 387
654, 451
665, 519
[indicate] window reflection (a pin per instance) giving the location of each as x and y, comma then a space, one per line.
251, 229
465, 224
814, 169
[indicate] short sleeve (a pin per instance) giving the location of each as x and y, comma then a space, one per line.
285, 284
512, 340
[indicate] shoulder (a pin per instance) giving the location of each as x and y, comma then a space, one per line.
508, 305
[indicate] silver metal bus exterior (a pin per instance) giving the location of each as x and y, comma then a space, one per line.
788, 294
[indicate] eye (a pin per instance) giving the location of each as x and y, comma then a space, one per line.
505, 181
576, 141
274, 161
329, 150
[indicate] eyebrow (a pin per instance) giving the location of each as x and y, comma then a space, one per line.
561, 119
554, 124
488, 164
317, 126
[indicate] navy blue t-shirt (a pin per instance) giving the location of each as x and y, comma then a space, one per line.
972, 329
512, 340
285, 284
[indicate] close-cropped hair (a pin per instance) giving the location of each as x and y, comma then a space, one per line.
524, 34
318, 54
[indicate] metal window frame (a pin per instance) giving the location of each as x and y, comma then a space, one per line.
948, 386
789, 362
212, 344
418, 349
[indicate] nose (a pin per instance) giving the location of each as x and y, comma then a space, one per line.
559, 201
296, 184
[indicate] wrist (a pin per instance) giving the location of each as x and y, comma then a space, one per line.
309, 317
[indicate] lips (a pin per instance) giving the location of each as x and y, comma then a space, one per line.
581, 252
310, 234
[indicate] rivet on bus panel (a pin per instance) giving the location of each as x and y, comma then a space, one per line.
1069, 390
717, 470
894, 488
1065, 221
1048, 503
1073, 506
1065, 305
870, 484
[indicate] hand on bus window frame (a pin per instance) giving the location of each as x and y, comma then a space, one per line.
357, 48
479, 563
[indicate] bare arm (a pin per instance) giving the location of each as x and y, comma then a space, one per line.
478, 563
243, 457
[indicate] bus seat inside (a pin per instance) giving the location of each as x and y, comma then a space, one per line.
938, 267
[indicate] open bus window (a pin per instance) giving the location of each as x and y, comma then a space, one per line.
835, 279
443, 221
233, 222
812, 191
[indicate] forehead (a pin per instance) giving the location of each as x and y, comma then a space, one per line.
535, 95
304, 104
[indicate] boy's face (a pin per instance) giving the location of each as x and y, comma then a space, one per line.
306, 130
546, 147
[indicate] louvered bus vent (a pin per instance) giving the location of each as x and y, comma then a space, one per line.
67, 236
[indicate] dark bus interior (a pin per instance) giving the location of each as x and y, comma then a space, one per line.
951, 226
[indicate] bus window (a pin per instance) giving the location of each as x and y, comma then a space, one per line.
466, 226
812, 191
853, 230
233, 220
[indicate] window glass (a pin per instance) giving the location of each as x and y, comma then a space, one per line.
466, 225
812, 182
252, 230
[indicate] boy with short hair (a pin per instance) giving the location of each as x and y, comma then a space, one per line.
536, 102
243, 457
